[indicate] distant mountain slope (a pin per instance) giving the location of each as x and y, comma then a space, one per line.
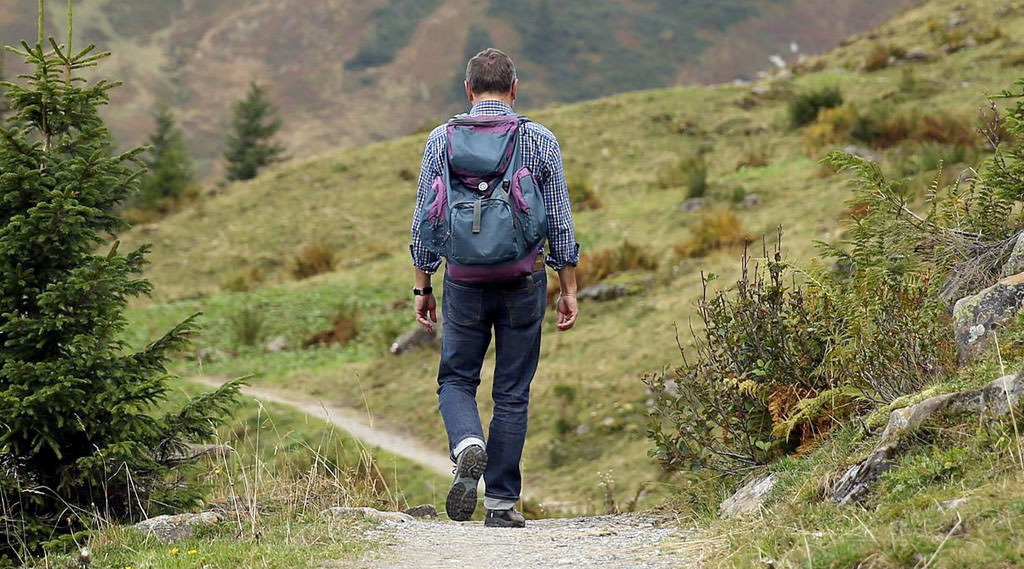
354, 71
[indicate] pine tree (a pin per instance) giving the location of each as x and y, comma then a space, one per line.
4, 105
169, 164
253, 126
79, 432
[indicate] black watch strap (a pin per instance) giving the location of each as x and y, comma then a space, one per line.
423, 291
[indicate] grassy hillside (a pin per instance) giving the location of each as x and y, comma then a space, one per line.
626, 150
348, 72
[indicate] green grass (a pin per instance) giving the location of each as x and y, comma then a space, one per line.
291, 467
284, 542
357, 200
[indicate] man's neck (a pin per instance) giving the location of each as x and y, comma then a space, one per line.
492, 98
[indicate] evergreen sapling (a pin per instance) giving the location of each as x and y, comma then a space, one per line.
254, 124
80, 434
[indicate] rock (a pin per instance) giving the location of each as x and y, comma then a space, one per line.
956, 21
862, 152
278, 344
993, 400
369, 513
423, 511
416, 338
1015, 264
856, 482
954, 504
751, 201
917, 54
750, 498
174, 528
694, 204
602, 292
975, 317
211, 355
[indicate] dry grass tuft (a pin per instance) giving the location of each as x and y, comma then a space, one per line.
595, 267
314, 259
344, 328
714, 230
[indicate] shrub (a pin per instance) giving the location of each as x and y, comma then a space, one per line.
690, 173
247, 326
755, 155
314, 259
713, 231
804, 109
832, 126
880, 56
758, 355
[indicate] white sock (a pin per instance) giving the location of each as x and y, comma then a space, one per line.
466, 443
498, 503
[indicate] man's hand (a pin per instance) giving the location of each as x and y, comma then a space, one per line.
568, 310
426, 311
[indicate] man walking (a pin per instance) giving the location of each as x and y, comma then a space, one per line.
512, 308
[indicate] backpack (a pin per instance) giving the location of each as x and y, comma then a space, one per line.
486, 215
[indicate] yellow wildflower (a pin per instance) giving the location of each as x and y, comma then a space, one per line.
192, 552
174, 551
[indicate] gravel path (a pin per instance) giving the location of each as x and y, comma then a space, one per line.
605, 542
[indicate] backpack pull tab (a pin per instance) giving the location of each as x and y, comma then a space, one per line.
477, 214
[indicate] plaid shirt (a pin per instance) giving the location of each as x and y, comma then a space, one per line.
541, 155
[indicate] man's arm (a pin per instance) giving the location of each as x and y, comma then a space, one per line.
425, 262
564, 252
568, 309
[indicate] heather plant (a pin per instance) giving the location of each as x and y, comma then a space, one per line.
80, 431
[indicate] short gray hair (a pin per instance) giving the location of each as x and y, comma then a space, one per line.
490, 71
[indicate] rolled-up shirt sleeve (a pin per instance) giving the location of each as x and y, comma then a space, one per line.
422, 259
563, 249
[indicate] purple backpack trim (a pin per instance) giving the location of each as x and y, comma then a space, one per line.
517, 190
439, 208
494, 273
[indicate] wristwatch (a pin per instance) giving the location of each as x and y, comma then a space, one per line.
423, 291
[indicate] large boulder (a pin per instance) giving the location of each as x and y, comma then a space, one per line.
175, 528
1015, 264
976, 317
994, 400
749, 499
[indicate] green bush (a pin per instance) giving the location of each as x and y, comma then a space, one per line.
690, 173
804, 109
759, 352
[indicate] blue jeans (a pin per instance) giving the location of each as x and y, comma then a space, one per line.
515, 312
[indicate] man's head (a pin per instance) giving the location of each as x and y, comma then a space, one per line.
491, 75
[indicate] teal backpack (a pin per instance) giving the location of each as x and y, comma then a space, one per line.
486, 214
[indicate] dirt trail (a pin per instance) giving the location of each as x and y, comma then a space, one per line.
604, 542
354, 423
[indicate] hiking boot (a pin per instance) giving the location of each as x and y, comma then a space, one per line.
505, 519
461, 502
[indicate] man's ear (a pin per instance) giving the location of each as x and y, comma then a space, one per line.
469, 92
515, 87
